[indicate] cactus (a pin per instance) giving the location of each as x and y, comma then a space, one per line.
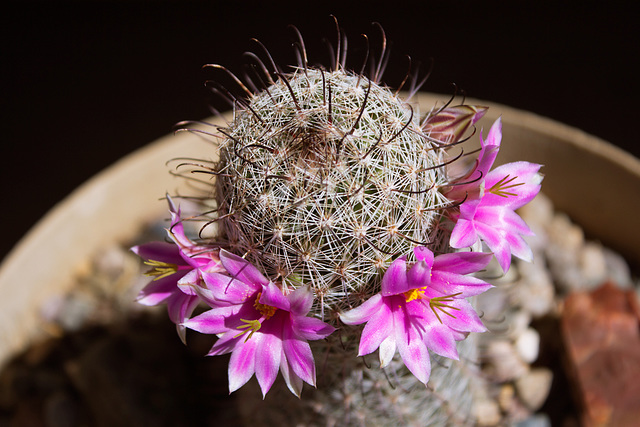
355, 392
331, 199
323, 178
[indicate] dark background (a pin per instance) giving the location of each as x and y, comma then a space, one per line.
85, 83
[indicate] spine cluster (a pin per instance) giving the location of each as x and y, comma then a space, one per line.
326, 177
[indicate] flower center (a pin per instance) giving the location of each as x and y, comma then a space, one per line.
442, 304
500, 188
160, 269
414, 294
266, 310
254, 325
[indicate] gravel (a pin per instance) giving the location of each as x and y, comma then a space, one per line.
109, 361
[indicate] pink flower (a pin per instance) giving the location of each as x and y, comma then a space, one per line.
174, 264
490, 199
422, 308
451, 123
264, 329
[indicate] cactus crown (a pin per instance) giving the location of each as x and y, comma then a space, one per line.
324, 178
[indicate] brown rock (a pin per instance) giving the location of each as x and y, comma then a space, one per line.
601, 331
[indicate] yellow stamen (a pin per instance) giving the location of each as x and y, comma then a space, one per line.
499, 187
160, 269
441, 304
254, 325
266, 310
251, 325
414, 294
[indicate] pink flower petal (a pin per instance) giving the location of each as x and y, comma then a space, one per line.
192, 278
225, 288
523, 182
419, 275
242, 364
180, 306
300, 359
469, 186
159, 251
203, 293
312, 329
462, 262
464, 234
494, 137
227, 343
437, 336
272, 296
395, 280
176, 231
497, 243
424, 254
439, 339
459, 336
519, 247
379, 327
450, 283
466, 318
239, 268
412, 347
486, 158
502, 218
158, 291
301, 301
268, 352
215, 321
293, 381
363, 312
387, 350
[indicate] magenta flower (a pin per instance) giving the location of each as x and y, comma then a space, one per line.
264, 329
173, 264
451, 123
490, 199
422, 308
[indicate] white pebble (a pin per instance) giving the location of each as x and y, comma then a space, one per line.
505, 396
593, 265
565, 234
533, 387
518, 322
528, 345
617, 269
534, 292
506, 364
486, 412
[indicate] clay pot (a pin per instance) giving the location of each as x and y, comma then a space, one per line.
595, 183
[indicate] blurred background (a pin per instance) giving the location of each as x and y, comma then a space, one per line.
85, 83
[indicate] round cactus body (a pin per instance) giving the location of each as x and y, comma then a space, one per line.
324, 179
333, 209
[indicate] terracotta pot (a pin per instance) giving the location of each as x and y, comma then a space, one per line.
595, 183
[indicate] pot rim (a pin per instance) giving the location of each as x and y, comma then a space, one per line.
43, 263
